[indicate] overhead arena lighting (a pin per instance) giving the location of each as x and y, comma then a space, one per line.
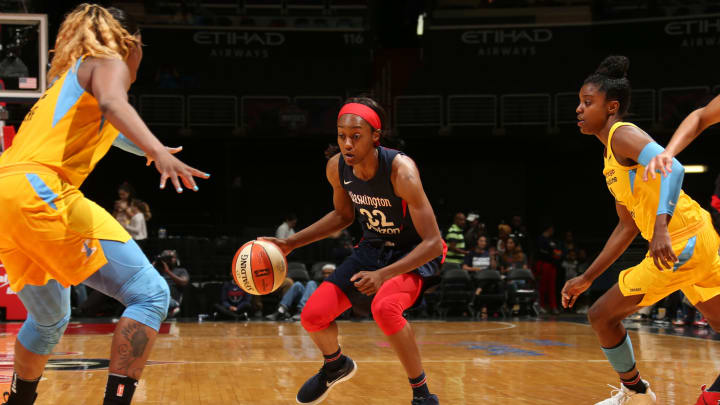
695, 168
421, 24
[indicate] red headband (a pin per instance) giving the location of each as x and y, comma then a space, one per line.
362, 111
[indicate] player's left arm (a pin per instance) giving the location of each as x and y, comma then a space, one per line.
634, 144
407, 185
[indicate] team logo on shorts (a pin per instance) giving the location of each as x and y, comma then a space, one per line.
86, 249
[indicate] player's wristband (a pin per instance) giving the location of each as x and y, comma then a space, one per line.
127, 145
670, 185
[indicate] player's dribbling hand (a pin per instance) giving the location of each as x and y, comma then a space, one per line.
572, 290
176, 171
367, 282
661, 163
283, 244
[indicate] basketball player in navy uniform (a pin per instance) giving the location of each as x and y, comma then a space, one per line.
399, 256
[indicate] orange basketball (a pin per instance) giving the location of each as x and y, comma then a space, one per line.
259, 267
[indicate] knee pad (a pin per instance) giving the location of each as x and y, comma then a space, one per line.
388, 314
323, 306
41, 339
313, 318
146, 297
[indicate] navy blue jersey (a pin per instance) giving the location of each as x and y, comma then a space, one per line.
383, 215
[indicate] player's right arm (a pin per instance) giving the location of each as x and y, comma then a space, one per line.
694, 124
109, 82
623, 235
338, 219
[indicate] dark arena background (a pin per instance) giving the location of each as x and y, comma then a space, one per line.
480, 93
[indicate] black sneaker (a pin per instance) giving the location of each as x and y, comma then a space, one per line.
431, 400
316, 389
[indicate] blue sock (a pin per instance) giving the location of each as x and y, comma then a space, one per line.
621, 356
419, 386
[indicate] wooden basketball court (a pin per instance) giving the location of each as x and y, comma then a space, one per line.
525, 362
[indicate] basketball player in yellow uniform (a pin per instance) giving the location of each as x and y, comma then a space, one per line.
52, 236
683, 243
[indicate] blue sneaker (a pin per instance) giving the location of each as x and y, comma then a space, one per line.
431, 400
316, 389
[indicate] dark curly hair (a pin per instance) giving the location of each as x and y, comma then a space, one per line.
611, 79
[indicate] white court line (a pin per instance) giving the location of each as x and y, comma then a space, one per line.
639, 332
503, 326
474, 360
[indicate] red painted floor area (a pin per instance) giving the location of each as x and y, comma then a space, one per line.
76, 328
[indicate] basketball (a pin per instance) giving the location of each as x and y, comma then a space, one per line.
259, 267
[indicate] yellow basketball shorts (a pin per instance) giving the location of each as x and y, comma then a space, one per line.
697, 273
48, 229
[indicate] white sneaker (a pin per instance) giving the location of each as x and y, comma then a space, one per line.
625, 396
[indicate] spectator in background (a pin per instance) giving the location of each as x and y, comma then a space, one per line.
548, 253
475, 230
568, 243
168, 264
570, 265
479, 258
297, 297
234, 302
455, 239
583, 260
504, 231
139, 214
257, 300
518, 231
286, 229
126, 193
514, 257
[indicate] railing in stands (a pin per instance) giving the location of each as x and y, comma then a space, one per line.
525, 109
418, 111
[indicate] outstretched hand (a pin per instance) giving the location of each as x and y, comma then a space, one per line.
172, 150
171, 168
661, 163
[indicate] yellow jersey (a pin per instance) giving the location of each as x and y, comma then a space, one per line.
64, 130
641, 198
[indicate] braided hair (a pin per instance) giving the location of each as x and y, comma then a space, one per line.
611, 79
